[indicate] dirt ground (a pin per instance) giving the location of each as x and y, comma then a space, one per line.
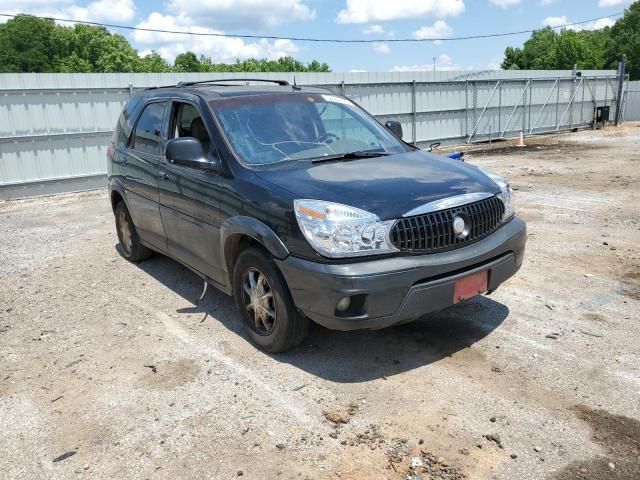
111, 370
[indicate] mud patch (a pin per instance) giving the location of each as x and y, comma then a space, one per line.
620, 438
631, 291
596, 317
534, 145
166, 375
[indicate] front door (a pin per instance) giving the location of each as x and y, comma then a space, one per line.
190, 199
139, 169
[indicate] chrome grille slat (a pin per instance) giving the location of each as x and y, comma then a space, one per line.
434, 231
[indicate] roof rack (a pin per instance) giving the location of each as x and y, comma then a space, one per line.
189, 84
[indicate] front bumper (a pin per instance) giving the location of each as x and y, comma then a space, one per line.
396, 290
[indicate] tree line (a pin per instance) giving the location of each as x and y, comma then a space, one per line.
591, 50
30, 44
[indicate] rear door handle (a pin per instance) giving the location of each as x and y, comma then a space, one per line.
163, 175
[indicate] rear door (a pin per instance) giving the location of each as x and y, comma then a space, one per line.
189, 198
139, 167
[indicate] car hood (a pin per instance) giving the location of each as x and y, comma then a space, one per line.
388, 186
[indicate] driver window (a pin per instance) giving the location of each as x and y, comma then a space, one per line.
187, 122
339, 124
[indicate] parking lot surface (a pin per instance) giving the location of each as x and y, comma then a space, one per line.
112, 370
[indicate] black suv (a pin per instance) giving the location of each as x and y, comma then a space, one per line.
302, 206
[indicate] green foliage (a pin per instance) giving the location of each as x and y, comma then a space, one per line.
26, 45
597, 49
30, 44
625, 39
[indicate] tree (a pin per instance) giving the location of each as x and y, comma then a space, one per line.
30, 44
154, 63
588, 49
186, 62
625, 39
25, 44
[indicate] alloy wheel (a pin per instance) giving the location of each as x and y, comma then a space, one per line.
125, 232
259, 301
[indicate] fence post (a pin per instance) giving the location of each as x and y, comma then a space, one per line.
621, 68
558, 101
530, 105
499, 108
466, 108
413, 111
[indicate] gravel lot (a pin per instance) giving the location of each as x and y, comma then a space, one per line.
117, 363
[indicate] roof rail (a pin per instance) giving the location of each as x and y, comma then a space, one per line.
189, 84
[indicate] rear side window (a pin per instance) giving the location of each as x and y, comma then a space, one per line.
148, 130
125, 122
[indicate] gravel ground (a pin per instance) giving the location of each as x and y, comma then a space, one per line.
111, 370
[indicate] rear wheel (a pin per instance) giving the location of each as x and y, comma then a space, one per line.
130, 245
265, 304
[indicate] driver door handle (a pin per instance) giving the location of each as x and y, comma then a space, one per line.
163, 175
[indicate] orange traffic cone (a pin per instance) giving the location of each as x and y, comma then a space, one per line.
520, 142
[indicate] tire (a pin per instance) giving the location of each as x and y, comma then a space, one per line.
278, 326
130, 246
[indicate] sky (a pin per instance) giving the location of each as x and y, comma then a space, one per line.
347, 19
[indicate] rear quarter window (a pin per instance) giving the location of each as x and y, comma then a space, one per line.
149, 128
124, 125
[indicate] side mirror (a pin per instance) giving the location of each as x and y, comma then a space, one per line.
188, 152
394, 127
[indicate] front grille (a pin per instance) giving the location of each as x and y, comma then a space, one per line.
434, 231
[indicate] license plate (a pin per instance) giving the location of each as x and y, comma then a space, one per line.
470, 286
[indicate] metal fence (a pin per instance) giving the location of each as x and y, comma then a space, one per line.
54, 128
631, 110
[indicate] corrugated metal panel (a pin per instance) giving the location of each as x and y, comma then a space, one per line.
632, 103
55, 127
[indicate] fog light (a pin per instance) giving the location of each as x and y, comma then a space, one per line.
343, 304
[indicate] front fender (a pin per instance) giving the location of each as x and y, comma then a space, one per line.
250, 227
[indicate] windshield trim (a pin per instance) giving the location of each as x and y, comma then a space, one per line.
213, 104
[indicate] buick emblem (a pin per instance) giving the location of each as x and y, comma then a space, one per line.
460, 227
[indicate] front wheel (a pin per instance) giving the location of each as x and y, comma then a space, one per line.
265, 304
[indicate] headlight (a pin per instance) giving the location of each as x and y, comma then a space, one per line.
506, 193
336, 230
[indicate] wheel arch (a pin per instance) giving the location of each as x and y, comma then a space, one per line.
116, 194
239, 233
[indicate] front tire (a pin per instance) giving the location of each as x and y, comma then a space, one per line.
265, 304
130, 246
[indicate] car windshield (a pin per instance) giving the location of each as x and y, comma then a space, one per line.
266, 129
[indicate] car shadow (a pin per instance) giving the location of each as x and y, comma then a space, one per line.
348, 357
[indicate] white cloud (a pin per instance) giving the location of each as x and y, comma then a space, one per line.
220, 49
439, 29
495, 63
381, 48
505, 3
444, 63
614, 3
241, 14
112, 10
545, 3
365, 11
96, 11
371, 29
555, 22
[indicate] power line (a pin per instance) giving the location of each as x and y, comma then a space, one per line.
308, 39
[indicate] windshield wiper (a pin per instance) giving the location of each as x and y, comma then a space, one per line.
350, 156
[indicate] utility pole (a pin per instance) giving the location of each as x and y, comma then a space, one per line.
621, 72
434, 64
